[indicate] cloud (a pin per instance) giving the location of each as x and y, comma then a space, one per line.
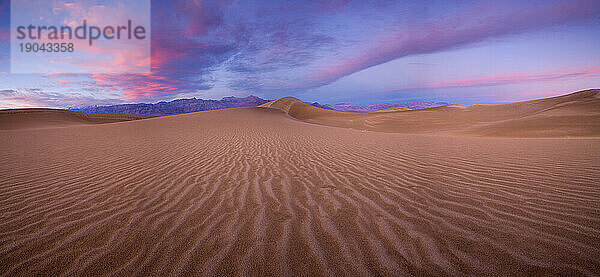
7, 92
470, 26
149, 86
192, 40
179, 60
512, 78
201, 16
272, 47
4, 6
35, 97
4, 21
332, 5
4, 35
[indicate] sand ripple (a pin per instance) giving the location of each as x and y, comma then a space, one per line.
254, 192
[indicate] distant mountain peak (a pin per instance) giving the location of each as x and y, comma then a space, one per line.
376, 107
177, 106
190, 105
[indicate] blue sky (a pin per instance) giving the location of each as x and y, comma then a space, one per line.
340, 51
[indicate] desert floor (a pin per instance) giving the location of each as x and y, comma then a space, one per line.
261, 191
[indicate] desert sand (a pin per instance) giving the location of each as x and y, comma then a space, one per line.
576, 114
49, 118
289, 189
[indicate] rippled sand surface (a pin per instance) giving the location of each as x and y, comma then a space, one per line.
252, 191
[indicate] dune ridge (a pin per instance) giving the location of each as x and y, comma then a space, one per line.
47, 118
398, 109
255, 191
576, 114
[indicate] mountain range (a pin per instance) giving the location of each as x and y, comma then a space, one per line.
181, 106
377, 107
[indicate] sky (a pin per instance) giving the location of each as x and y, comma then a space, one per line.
338, 51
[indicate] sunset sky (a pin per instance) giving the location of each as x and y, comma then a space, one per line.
338, 51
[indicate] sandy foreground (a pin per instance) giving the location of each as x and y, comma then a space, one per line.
266, 191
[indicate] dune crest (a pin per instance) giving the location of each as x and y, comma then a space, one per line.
399, 109
46, 118
573, 115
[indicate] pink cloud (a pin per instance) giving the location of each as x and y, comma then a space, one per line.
173, 50
138, 86
162, 80
64, 83
102, 55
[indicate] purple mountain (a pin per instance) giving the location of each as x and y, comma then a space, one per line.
377, 107
191, 105
178, 106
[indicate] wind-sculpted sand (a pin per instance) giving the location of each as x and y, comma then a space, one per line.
255, 191
49, 118
576, 114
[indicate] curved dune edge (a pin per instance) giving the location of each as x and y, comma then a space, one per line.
47, 118
398, 109
572, 115
250, 192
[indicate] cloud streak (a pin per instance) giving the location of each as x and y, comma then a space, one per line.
36, 98
561, 74
516, 78
473, 25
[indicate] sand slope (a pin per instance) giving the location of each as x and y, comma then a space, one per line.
576, 114
253, 191
47, 118
398, 109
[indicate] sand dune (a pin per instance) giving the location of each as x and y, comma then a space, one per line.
576, 114
48, 118
255, 191
399, 109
